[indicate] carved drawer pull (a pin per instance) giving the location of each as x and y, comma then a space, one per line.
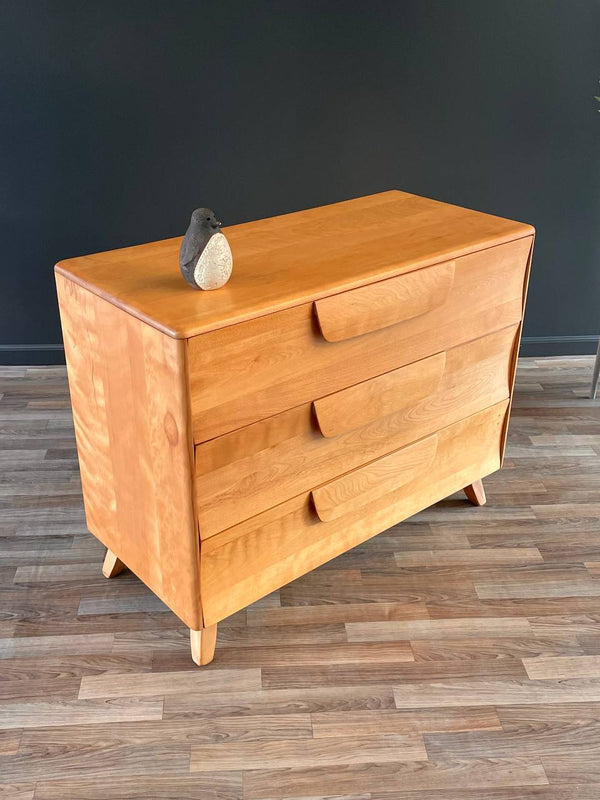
358, 405
364, 485
379, 305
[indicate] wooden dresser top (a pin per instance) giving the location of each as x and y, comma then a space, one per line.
291, 259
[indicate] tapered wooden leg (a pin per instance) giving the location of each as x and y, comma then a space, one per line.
203, 645
112, 565
475, 493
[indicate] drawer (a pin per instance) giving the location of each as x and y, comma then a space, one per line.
256, 369
262, 554
252, 469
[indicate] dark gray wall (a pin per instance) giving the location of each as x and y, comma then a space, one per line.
120, 117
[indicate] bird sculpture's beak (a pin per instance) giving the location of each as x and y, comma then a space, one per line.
219, 223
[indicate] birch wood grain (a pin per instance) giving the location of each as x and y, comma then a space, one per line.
253, 558
384, 303
248, 471
134, 444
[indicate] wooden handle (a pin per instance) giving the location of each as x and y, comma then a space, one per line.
379, 305
364, 485
358, 405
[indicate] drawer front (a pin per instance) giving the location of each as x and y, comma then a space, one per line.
250, 470
254, 370
262, 554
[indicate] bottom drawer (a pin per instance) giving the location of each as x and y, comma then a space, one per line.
246, 562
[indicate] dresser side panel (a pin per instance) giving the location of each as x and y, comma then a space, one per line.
129, 392
515, 352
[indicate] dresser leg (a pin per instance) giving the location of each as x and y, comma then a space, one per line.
475, 493
203, 645
112, 565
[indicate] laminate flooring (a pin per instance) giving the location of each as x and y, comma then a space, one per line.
453, 657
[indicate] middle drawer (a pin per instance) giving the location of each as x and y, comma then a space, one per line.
254, 468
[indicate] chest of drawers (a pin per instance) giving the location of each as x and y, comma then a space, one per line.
357, 368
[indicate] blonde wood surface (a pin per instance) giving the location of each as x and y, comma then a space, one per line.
384, 303
475, 493
112, 566
260, 368
254, 558
248, 471
363, 486
291, 259
203, 645
358, 405
131, 412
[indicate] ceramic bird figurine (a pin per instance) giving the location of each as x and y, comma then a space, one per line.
205, 257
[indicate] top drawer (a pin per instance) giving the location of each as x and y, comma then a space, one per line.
256, 369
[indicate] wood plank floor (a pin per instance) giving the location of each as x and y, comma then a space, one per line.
454, 657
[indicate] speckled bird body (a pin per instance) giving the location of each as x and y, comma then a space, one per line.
205, 257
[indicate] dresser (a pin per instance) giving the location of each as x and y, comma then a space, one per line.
357, 368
